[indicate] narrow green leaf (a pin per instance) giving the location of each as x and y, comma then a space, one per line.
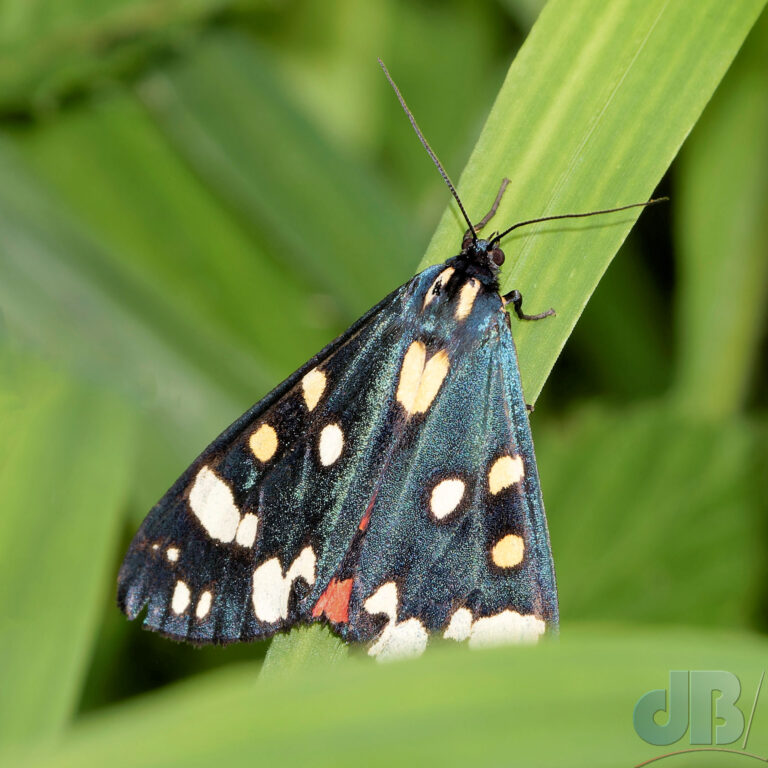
654, 517
61, 296
557, 704
330, 59
185, 264
64, 466
631, 358
524, 12
302, 650
593, 110
49, 50
318, 210
722, 235
425, 56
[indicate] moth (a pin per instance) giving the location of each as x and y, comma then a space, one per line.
388, 488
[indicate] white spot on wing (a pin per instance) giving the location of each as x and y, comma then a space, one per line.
505, 628
180, 599
204, 605
246, 531
272, 590
383, 600
214, 506
400, 641
397, 640
172, 553
460, 625
505, 471
446, 496
331, 444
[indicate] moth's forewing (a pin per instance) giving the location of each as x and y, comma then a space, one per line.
388, 487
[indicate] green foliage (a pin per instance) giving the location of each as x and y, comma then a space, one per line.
50, 50
62, 502
197, 194
567, 703
723, 239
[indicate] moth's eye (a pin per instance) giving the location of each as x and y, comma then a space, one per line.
467, 241
497, 256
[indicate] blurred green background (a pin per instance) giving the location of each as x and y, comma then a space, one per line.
195, 196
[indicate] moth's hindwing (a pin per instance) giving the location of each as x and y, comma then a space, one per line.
389, 488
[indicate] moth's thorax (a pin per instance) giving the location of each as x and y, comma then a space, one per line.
480, 259
454, 296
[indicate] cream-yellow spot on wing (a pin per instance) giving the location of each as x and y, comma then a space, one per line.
180, 599
263, 442
172, 553
410, 375
446, 496
467, 297
435, 372
203, 605
312, 387
331, 444
508, 551
506, 471
420, 383
440, 280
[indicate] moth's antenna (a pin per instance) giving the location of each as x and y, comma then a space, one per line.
653, 201
429, 149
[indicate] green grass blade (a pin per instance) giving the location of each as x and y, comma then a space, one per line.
65, 463
593, 110
50, 50
316, 208
723, 240
630, 358
302, 650
655, 526
556, 704
184, 264
48, 266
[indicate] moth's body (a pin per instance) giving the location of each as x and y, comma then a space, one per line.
388, 488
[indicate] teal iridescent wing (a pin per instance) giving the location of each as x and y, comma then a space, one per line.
457, 539
388, 488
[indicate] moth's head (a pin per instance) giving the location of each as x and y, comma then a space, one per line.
484, 255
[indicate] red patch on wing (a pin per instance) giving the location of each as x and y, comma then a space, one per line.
367, 516
334, 602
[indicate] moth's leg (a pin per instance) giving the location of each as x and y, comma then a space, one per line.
515, 298
488, 216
